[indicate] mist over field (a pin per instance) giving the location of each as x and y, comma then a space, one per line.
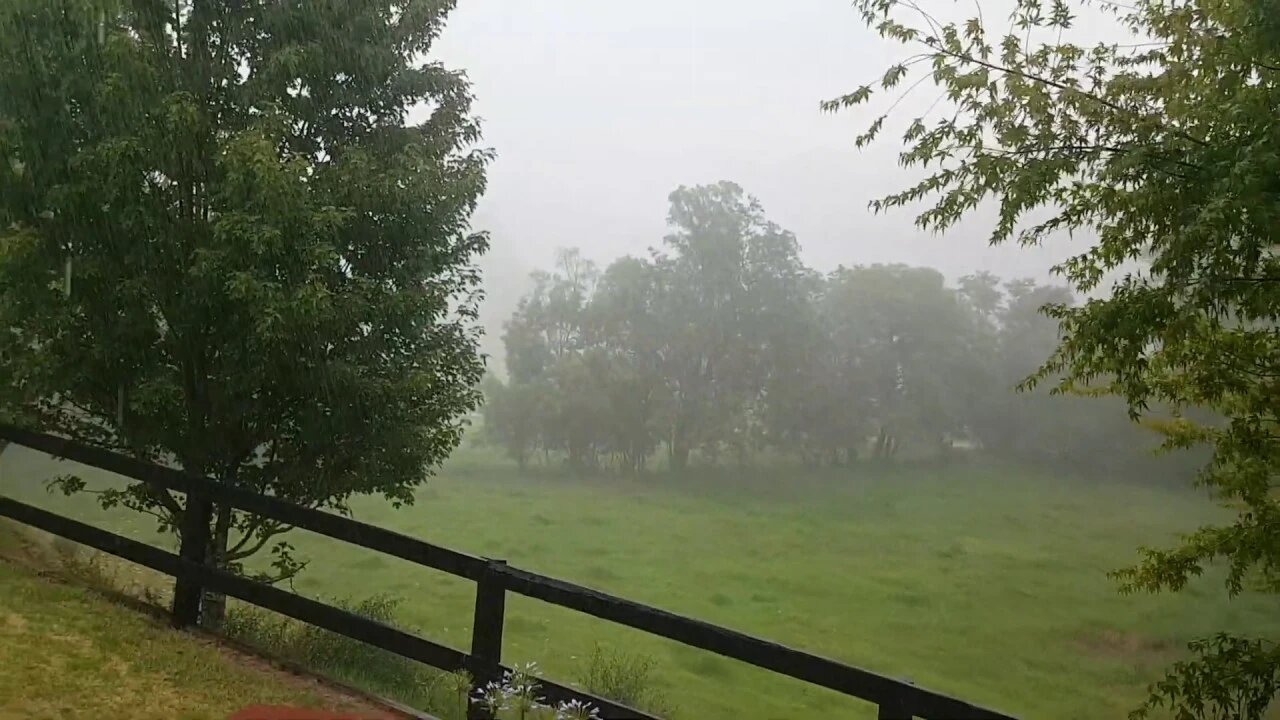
598, 111
937, 339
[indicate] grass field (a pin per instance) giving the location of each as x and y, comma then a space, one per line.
986, 582
69, 654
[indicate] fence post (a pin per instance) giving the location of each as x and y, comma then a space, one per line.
486, 634
895, 709
187, 589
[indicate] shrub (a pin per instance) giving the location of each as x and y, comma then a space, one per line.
626, 678
622, 677
337, 656
86, 566
1227, 678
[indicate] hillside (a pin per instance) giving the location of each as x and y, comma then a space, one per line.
69, 653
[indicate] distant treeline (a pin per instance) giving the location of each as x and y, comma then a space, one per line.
722, 346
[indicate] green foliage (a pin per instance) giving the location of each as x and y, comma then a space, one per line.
340, 657
225, 243
1228, 678
623, 677
1166, 152
626, 678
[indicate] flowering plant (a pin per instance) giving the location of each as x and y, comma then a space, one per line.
516, 695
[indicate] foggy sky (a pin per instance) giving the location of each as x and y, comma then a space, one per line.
598, 109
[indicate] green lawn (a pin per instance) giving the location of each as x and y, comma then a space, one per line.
68, 654
984, 582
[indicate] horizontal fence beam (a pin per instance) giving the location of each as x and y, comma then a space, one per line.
328, 524
143, 554
313, 612
754, 651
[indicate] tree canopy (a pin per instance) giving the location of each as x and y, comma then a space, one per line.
234, 236
723, 347
1165, 151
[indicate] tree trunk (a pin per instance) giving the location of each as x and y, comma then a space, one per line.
886, 444
679, 456
214, 611
678, 446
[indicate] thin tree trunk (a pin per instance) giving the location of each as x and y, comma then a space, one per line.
679, 456
214, 612
679, 447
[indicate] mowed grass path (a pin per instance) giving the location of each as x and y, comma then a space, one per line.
985, 582
68, 654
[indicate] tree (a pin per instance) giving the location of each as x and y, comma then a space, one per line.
1167, 152
681, 348
702, 297
225, 243
782, 333
1068, 431
624, 325
512, 417
906, 348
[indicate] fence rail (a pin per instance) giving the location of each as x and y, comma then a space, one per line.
896, 699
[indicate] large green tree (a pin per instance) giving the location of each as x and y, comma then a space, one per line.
626, 327
1166, 151
720, 263
234, 236
907, 349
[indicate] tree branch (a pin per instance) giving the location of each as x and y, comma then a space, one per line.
165, 498
142, 510
239, 552
1054, 84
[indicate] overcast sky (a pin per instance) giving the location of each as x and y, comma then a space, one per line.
598, 109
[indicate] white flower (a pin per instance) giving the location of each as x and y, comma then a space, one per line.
576, 710
493, 697
522, 689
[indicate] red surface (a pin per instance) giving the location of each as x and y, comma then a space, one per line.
275, 712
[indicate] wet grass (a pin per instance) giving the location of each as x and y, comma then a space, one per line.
987, 582
70, 654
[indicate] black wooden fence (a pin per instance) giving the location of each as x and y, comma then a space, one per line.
897, 699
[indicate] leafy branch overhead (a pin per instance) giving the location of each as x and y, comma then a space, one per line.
1165, 151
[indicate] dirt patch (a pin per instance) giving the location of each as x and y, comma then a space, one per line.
15, 623
271, 712
334, 698
1128, 647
